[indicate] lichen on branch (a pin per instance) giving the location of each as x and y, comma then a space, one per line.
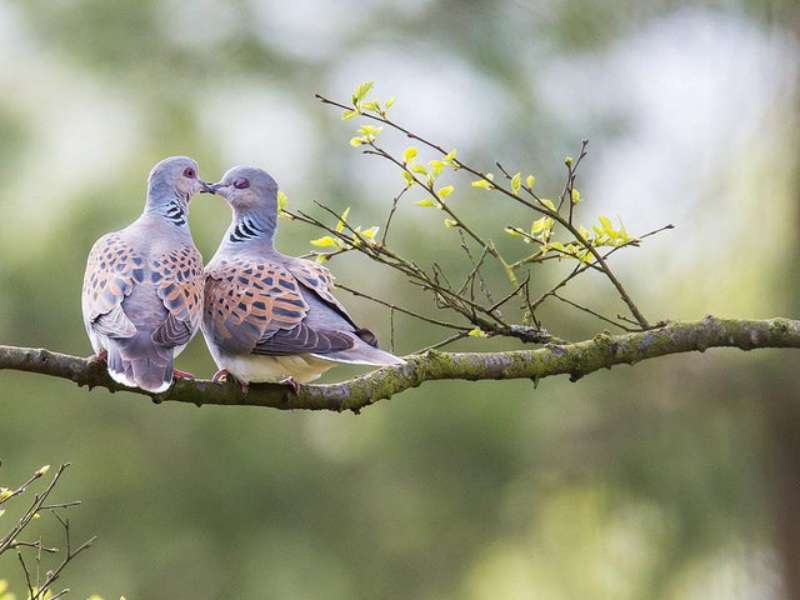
575, 360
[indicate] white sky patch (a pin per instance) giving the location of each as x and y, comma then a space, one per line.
81, 131
447, 102
704, 99
255, 123
315, 30
199, 24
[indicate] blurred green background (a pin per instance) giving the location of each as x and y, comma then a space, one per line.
678, 478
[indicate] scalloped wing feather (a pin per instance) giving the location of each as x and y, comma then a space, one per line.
112, 270
178, 278
248, 302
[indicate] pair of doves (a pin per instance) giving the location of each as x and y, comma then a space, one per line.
265, 316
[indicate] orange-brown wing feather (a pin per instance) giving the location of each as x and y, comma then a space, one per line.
248, 302
112, 270
320, 280
178, 278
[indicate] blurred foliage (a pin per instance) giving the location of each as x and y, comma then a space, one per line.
648, 482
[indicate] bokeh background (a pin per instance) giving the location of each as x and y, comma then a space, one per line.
677, 478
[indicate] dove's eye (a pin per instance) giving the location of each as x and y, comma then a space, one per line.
189, 172
241, 183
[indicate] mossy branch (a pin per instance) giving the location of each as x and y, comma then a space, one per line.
575, 360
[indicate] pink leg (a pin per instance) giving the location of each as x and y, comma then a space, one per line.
293, 384
98, 357
178, 374
223, 375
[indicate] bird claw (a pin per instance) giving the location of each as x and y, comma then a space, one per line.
293, 385
100, 357
223, 375
178, 374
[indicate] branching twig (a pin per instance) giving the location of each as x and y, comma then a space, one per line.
576, 359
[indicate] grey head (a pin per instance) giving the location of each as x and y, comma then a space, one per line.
253, 196
170, 187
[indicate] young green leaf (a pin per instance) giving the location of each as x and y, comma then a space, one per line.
483, 183
361, 91
530, 181
516, 183
426, 202
325, 242
445, 191
549, 204
477, 332
409, 154
283, 201
575, 196
342, 220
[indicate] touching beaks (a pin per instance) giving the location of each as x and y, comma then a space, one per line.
206, 188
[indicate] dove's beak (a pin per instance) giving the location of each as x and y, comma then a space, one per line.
217, 188
205, 187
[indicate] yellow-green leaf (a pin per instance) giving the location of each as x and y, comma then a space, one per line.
283, 201
409, 154
482, 184
608, 227
539, 225
349, 114
361, 91
477, 332
373, 105
450, 223
530, 181
575, 196
419, 169
356, 141
436, 167
342, 220
445, 191
389, 103
409, 179
513, 231
370, 130
548, 203
321, 258
324, 242
370, 233
426, 203
450, 156
516, 183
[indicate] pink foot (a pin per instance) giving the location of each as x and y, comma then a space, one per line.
178, 374
223, 375
101, 356
293, 384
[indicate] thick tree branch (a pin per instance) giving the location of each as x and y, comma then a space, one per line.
575, 360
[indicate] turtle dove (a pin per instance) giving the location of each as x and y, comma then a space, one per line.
269, 317
143, 288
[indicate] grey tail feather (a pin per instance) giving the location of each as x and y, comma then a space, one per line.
364, 354
138, 363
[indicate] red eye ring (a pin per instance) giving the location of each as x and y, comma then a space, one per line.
241, 183
189, 172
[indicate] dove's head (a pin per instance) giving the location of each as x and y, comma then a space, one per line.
248, 189
174, 177
253, 196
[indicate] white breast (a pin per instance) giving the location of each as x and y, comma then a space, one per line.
303, 368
